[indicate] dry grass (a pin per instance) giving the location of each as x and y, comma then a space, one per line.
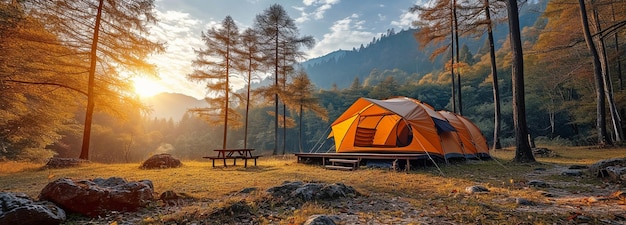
9, 167
425, 188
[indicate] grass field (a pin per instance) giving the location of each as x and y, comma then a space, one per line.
421, 187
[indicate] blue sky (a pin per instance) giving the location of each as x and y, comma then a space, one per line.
335, 24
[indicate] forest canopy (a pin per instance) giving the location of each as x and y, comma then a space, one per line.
44, 82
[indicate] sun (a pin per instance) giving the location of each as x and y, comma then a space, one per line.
146, 87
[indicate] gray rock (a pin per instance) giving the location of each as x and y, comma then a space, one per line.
312, 191
18, 208
616, 173
599, 168
319, 220
96, 197
523, 201
337, 190
110, 182
308, 191
285, 189
476, 189
161, 161
324, 191
538, 183
58, 163
572, 173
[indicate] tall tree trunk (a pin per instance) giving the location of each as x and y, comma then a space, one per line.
619, 64
608, 90
452, 57
284, 144
618, 60
300, 129
227, 91
599, 82
494, 74
275, 151
523, 152
608, 83
248, 89
458, 61
84, 152
245, 132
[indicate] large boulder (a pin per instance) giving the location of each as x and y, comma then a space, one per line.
319, 220
18, 208
96, 197
610, 168
161, 161
616, 173
58, 163
312, 191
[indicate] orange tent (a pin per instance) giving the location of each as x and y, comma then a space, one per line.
473, 142
396, 125
479, 141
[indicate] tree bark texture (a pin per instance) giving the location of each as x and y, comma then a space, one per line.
84, 151
523, 152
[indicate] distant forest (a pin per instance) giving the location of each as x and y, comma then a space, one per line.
560, 95
400, 51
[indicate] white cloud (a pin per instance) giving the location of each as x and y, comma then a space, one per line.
182, 34
345, 34
319, 12
405, 19
304, 16
381, 17
321, 6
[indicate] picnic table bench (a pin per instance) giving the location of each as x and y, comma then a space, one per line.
234, 154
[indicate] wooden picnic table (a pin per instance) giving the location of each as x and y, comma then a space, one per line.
234, 154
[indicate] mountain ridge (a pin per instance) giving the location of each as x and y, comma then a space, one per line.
399, 51
173, 106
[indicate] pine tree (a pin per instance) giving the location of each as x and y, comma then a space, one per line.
38, 92
214, 66
250, 59
302, 99
115, 42
281, 41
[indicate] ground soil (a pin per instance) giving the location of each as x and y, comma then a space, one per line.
572, 200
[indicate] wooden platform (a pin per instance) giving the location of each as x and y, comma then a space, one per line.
344, 164
324, 158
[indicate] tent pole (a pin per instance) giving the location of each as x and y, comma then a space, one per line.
331, 147
319, 140
427, 154
494, 159
432, 160
444, 153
